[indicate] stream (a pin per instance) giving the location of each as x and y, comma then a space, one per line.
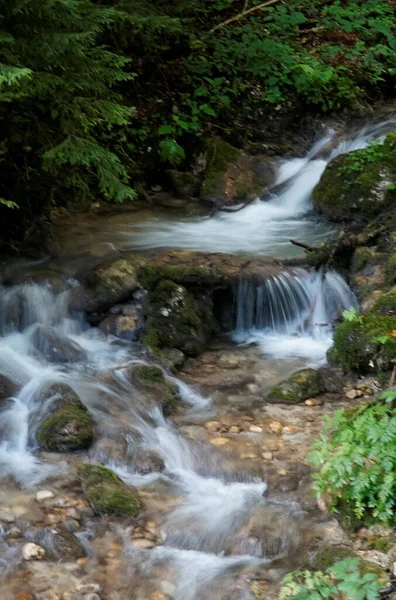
213, 518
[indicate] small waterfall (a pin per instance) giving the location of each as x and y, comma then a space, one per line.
263, 228
292, 314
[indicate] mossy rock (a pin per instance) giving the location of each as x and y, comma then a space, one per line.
70, 427
327, 556
185, 185
107, 493
365, 345
360, 185
386, 305
177, 319
151, 274
151, 380
390, 269
300, 386
231, 175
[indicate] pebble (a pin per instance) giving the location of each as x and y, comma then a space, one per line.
213, 425
276, 427
267, 455
352, 394
7, 515
44, 495
220, 441
255, 429
14, 533
234, 429
143, 544
249, 455
313, 402
89, 588
290, 429
394, 569
282, 472
31, 551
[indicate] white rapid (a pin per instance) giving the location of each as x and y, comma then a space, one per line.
262, 227
292, 315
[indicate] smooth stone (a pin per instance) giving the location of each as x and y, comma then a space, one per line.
220, 441
276, 427
143, 544
213, 425
31, 551
234, 429
7, 515
44, 495
255, 429
313, 402
267, 455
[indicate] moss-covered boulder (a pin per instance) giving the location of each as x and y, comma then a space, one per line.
178, 319
231, 175
69, 427
386, 305
107, 493
300, 386
360, 185
365, 344
185, 185
151, 382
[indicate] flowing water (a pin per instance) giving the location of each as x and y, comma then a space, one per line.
210, 503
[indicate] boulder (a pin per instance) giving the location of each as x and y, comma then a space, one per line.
185, 185
69, 426
65, 545
365, 344
151, 383
107, 284
304, 384
7, 388
360, 185
232, 176
385, 305
107, 493
126, 327
145, 460
55, 346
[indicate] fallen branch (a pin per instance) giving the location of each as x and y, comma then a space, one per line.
302, 245
243, 14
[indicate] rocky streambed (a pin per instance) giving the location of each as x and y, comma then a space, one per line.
157, 405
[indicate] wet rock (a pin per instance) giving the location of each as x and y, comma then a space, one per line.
358, 186
255, 429
63, 544
385, 305
7, 515
7, 388
143, 544
43, 495
365, 344
232, 176
55, 346
31, 551
106, 492
185, 185
219, 441
300, 386
126, 327
109, 283
144, 461
174, 356
69, 426
333, 379
151, 382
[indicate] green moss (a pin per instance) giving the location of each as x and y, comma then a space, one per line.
220, 155
67, 429
361, 258
106, 492
152, 379
173, 320
381, 544
365, 345
149, 275
300, 386
386, 305
390, 269
359, 185
327, 556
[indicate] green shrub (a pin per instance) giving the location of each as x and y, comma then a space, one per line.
341, 581
356, 458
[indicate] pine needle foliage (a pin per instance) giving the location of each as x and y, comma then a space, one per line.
57, 103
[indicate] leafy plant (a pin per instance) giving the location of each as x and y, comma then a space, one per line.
352, 315
341, 581
356, 460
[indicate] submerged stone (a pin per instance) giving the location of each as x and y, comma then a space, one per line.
55, 346
151, 382
304, 384
106, 492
